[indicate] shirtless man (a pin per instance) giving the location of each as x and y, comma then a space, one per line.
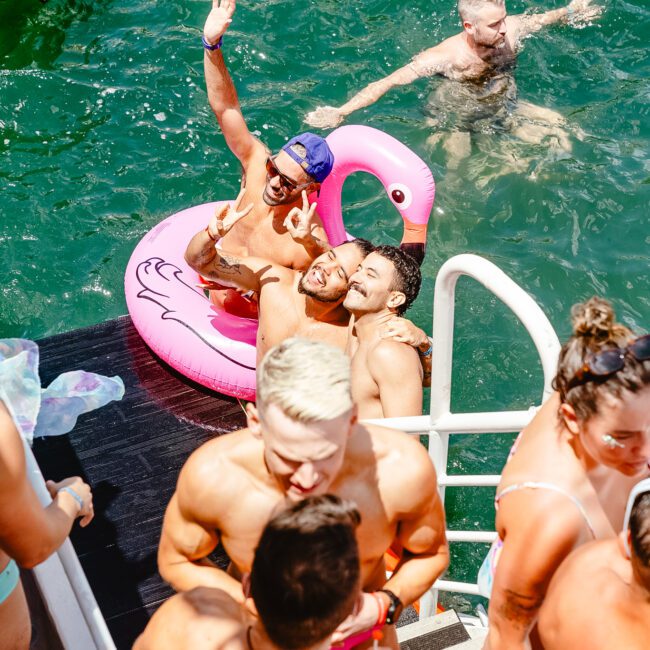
303, 439
488, 43
600, 597
272, 183
307, 553
384, 286
291, 303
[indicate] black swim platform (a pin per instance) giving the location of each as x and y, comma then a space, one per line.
130, 452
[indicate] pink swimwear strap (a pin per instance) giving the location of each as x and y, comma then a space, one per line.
542, 485
356, 639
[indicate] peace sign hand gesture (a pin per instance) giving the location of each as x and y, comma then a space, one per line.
218, 20
298, 222
225, 218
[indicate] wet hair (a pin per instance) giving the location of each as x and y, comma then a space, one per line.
406, 277
305, 575
594, 330
640, 528
468, 9
308, 380
363, 245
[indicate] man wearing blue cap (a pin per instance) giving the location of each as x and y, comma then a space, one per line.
279, 223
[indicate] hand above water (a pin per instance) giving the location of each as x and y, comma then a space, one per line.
218, 20
581, 12
324, 117
403, 330
226, 217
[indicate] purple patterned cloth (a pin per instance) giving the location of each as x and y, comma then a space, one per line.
54, 410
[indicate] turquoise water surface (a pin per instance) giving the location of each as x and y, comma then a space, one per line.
105, 130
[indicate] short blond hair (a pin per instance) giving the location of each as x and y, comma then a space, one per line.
308, 380
468, 9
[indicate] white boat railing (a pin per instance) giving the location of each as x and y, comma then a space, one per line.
441, 422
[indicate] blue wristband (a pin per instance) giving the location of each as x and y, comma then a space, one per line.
214, 47
428, 352
74, 495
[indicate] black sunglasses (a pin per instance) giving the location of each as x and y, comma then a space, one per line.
607, 362
287, 183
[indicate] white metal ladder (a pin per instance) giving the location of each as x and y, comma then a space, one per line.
441, 422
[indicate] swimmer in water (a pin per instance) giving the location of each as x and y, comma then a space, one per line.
291, 303
480, 56
272, 183
308, 553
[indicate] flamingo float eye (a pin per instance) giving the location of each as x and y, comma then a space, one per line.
400, 195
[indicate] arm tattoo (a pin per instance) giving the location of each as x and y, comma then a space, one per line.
520, 609
228, 265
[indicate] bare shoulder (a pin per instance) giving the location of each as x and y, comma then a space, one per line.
200, 619
392, 354
217, 466
523, 520
400, 456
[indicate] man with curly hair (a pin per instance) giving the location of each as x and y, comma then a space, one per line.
387, 375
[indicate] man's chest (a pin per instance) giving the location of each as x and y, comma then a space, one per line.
261, 238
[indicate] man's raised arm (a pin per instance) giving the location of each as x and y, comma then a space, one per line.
576, 12
424, 64
230, 270
221, 90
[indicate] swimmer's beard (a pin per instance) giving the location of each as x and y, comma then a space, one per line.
315, 295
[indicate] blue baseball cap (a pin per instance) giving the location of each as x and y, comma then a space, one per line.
318, 160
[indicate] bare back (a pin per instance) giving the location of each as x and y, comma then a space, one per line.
201, 619
594, 602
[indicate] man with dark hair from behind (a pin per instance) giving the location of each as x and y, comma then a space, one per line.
387, 374
600, 597
307, 553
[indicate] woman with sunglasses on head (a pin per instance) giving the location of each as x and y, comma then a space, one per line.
568, 476
609, 576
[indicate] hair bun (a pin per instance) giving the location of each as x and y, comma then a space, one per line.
593, 318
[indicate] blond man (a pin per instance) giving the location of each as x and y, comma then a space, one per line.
303, 439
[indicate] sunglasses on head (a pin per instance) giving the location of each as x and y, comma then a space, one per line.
607, 362
285, 182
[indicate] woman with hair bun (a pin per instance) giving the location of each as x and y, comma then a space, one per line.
570, 471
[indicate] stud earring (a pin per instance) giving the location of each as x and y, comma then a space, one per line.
611, 442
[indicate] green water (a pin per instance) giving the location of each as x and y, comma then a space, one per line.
105, 130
